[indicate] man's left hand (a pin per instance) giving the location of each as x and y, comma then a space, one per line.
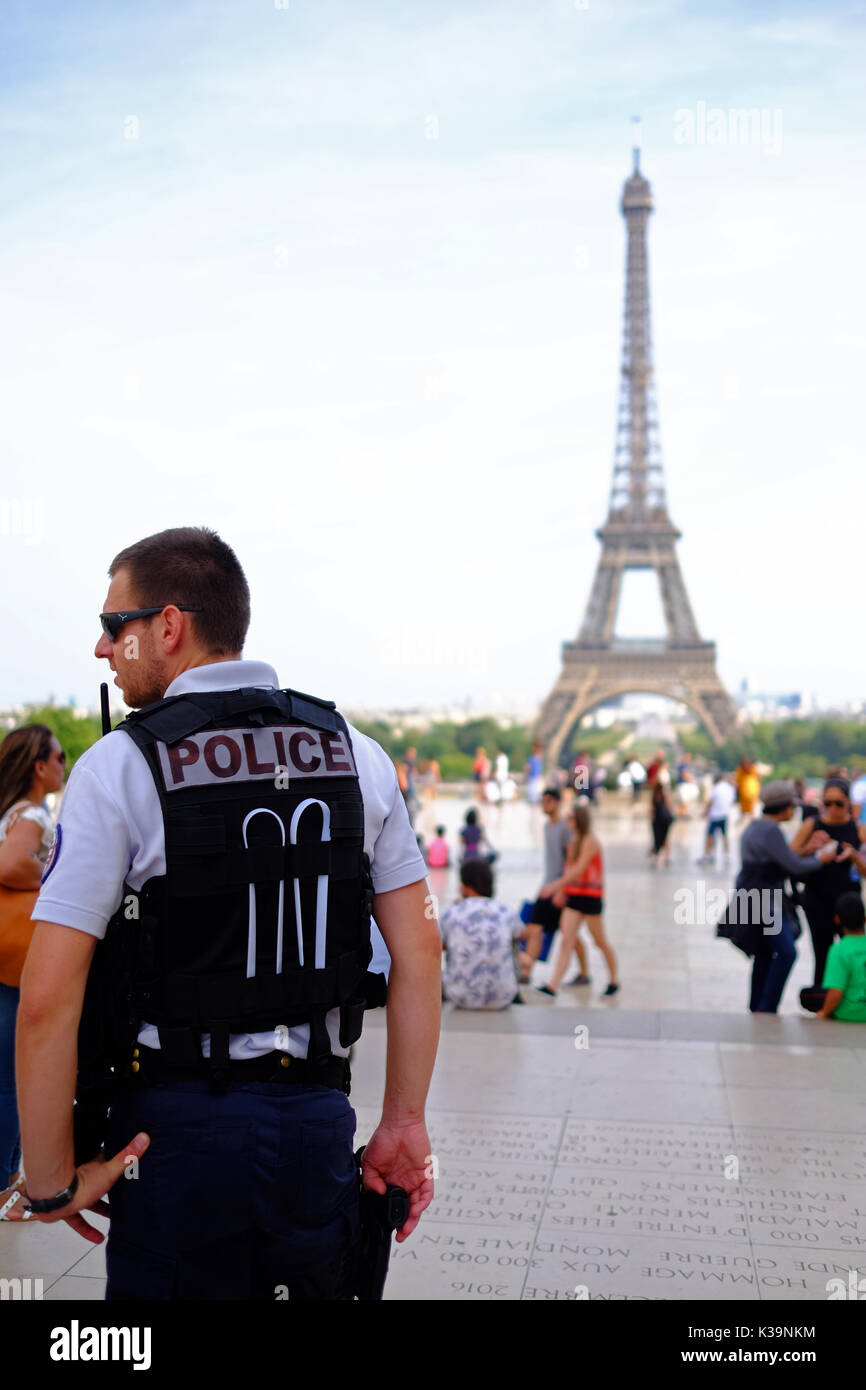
400, 1155
95, 1179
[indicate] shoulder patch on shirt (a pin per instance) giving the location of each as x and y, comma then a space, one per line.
54, 855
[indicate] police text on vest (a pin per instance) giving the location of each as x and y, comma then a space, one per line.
248, 755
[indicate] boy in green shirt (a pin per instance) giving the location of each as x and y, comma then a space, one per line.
845, 972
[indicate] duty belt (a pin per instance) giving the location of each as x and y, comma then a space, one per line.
148, 1067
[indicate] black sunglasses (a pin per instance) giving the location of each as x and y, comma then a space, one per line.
113, 622
843, 804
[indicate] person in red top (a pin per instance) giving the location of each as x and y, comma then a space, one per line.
481, 773
580, 893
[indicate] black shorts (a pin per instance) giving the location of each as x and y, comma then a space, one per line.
544, 914
583, 902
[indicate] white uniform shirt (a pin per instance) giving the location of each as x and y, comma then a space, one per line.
111, 832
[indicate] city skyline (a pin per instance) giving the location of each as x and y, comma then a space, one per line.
349, 288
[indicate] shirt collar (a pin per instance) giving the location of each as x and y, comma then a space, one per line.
223, 675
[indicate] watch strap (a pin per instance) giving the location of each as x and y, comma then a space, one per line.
41, 1206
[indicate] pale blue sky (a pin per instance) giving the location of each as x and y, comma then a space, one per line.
385, 365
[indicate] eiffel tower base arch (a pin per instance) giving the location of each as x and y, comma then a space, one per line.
592, 677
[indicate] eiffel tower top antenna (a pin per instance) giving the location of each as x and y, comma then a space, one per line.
636, 131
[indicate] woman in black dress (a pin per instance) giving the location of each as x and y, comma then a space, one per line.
832, 820
662, 818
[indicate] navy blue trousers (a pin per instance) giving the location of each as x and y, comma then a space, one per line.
772, 965
247, 1195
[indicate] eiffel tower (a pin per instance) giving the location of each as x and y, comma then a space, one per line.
637, 535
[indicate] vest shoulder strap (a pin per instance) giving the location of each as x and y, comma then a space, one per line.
171, 720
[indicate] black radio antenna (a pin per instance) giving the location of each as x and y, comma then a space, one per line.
106, 713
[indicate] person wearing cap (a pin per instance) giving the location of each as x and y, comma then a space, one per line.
768, 860
833, 820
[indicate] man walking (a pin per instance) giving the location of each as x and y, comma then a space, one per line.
544, 916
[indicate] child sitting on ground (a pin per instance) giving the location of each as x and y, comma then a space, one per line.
843, 996
438, 855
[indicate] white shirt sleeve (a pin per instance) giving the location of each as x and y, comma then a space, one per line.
83, 884
395, 859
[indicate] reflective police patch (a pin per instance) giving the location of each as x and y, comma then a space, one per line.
54, 855
251, 755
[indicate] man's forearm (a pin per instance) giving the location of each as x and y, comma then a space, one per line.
52, 990
414, 1011
46, 1061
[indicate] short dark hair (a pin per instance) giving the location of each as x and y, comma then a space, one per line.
554, 792
849, 909
477, 875
191, 564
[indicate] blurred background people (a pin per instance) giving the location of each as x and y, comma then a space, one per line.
535, 774
833, 821
579, 891
32, 765
843, 993
481, 773
661, 820
438, 853
748, 787
767, 861
544, 916
722, 798
638, 774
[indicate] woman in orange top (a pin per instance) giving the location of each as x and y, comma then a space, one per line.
580, 893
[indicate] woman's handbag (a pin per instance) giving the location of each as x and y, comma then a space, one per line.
16, 929
737, 923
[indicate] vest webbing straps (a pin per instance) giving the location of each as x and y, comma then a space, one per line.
262, 916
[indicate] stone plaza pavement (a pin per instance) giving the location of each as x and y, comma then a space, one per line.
663, 1144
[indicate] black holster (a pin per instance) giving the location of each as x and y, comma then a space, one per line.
380, 1217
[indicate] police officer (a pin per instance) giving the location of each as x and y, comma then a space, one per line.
229, 839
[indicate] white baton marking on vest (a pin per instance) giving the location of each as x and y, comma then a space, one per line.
251, 930
321, 883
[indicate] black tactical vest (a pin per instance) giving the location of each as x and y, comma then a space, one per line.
262, 919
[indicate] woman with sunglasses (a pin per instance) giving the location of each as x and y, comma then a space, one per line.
32, 764
832, 820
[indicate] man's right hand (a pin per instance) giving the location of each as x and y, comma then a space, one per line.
400, 1155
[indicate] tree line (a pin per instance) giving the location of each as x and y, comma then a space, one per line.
792, 747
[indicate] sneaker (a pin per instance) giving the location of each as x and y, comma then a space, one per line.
580, 980
543, 989
611, 989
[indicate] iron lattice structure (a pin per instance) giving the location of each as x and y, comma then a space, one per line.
637, 535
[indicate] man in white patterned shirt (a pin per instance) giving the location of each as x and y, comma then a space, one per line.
478, 937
